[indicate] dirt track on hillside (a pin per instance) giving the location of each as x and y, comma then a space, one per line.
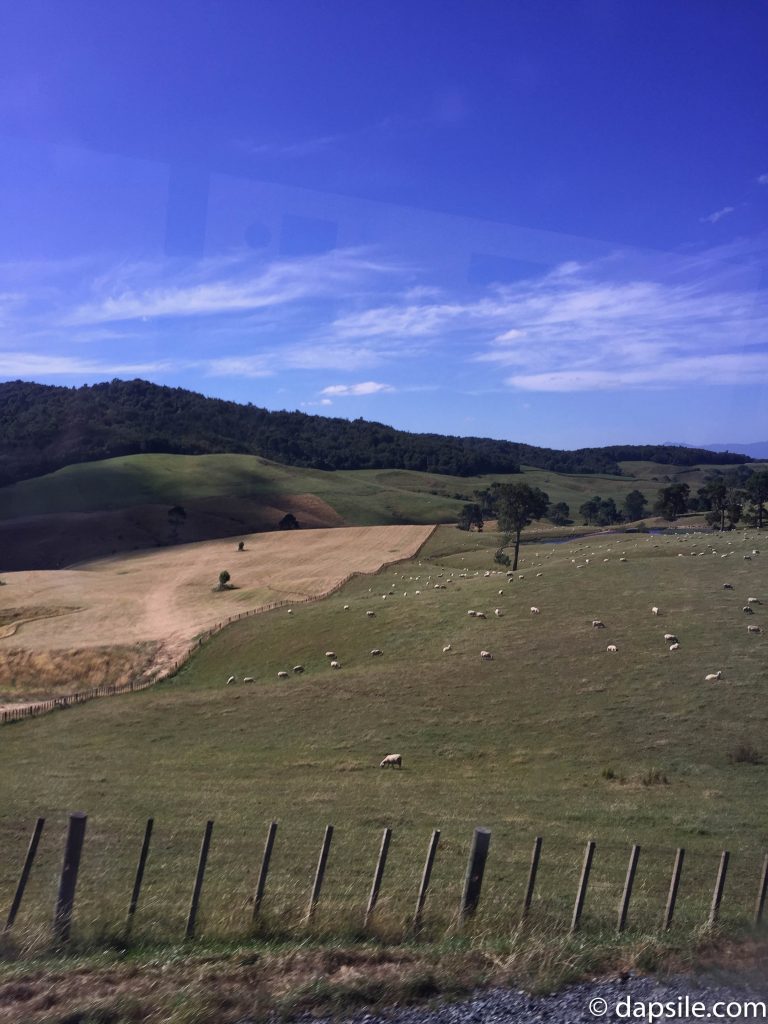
167, 597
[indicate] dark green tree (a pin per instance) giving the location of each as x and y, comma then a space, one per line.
559, 514
470, 515
224, 579
590, 510
288, 522
634, 506
519, 505
672, 501
756, 489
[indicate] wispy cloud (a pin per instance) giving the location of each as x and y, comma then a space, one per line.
713, 218
762, 179
368, 387
27, 364
289, 148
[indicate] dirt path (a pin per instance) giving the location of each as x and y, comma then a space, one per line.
168, 596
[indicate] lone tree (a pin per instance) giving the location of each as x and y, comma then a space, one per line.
519, 505
241, 545
560, 514
634, 506
470, 515
672, 501
224, 579
757, 492
288, 522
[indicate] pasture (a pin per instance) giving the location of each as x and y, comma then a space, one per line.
157, 602
554, 737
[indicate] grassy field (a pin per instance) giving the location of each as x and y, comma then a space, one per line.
362, 497
554, 737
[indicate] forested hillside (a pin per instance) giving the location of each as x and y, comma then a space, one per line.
43, 428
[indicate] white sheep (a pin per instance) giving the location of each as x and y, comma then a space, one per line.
446, 649
535, 611
612, 648
486, 655
712, 677
753, 600
335, 664
290, 611
232, 679
727, 586
748, 609
675, 646
298, 669
598, 624
248, 679
330, 654
370, 614
754, 629
471, 611
282, 675
375, 653
392, 759
498, 612
654, 610
670, 638
346, 607
480, 615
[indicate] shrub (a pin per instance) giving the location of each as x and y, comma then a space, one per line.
745, 753
654, 777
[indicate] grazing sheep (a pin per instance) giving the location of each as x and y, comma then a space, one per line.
622, 559
670, 638
375, 653
330, 654
535, 611
753, 600
748, 609
290, 611
486, 655
248, 679
598, 624
754, 629
480, 615
298, 669
747, 558
612, 648
498, 612
727, 586
446, 649
675, 646
654, 610
370, 614
346, 607
471, 611
501, 593
712, 677
392, 759
282, 675
335, 664
232, 679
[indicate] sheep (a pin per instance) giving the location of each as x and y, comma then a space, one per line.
712, 677
346, 607
486, 655
753, 600
498, 612
290, 611
534, 610
622, 559
727, 586
282, 675
375, 653
298, 669
392, 759
748, 609
446, 649
598, 624
370, 614
754, 629
747, 558
670, 638
335, 664
675, 646
232, 679
501, 593
479, 615
612, 648
654, 610
330, 654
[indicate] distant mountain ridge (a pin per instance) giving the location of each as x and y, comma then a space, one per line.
754, 449
46, 427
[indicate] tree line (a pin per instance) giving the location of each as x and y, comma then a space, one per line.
46, 427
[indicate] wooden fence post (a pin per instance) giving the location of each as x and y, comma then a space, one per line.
762, 889
581, 893
425, 876
23, 878
65, 901
262, 881
378, 874
628, 884
473, 879
533, 871
140, 871
674, 886
205, 846
319, 873
717, 895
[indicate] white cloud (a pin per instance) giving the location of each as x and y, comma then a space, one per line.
238, 366
28, 364
368, 387
713, 218
762, 179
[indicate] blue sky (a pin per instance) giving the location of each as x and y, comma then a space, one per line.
542, 220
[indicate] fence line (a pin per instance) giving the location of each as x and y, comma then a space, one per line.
476, 866
32, 710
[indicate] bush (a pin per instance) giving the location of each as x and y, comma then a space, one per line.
500, 558
654, 777
745, 753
